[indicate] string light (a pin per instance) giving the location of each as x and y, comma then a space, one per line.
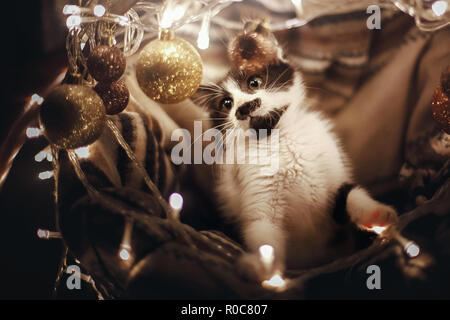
47, 234
378, 229
45, 175
33, 132
124, 254
35, 98
40, 156
83, 152
44, 154
73, 21
125, 245
267, 255
176, 203
439, 7
171, 14
412, 249
203, 36
99, 10
275, 283
71, 9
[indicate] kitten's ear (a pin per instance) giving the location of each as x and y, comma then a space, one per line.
203, 97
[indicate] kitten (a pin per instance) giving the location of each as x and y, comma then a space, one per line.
298, 208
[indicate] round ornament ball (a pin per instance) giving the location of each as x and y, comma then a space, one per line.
115, 96
72, 116
169, 70
254, 48
106, 64
440, 107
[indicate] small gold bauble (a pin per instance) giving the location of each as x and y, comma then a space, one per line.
72, 116
169, 70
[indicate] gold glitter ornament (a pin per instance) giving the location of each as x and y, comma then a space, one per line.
72, 116
169, 70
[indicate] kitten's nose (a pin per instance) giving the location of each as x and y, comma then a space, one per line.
244, 110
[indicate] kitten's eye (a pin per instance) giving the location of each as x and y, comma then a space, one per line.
254, 82
226, 103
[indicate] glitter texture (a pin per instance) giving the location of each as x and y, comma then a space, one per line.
106, 64
441, 109
72, 116
169, 71
115, 96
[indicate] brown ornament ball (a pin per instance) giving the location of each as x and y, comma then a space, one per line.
106, 64
253, 51
440, 107
115, 96
169, 70
72, 116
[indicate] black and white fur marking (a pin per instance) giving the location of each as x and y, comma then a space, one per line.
296, 209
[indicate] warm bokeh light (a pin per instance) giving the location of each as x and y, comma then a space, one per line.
439, 7
378, 229
267, 254
82, 152
276, 282
99, 10
71, 9
124, 254
33, 132
203, 36
412, 249
73, 21
176, 201
35, 98
45, 175
43, 234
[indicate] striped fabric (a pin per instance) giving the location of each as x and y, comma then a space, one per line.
109, 166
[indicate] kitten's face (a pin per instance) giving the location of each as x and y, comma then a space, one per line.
253, 100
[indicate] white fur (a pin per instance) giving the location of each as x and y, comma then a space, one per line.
289, 209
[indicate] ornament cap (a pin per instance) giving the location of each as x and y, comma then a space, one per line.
166, 34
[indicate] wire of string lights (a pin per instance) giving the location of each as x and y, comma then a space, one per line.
147, 16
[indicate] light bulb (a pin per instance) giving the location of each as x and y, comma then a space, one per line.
439, 7
99, 10
35, 98
124, 254
267, 255
71, 9
203, 36
378, 229
276, 282
170, 15
43, 234
45, 175
82, 152
412, 249
33, 132
47, 234
73, 21
176, 201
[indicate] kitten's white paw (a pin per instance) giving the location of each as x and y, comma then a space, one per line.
378, 215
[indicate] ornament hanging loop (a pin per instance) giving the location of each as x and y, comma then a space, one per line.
75, 57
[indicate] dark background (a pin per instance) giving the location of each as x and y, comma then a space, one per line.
32, 55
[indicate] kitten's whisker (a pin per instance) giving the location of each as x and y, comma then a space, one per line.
278, 78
